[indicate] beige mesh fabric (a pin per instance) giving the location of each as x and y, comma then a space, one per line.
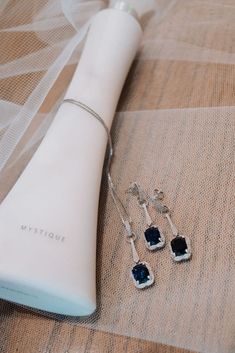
195, 30
189, 153
163, 138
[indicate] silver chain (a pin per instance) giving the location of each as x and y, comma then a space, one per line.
122, 212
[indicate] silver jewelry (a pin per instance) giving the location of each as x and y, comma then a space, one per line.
141, 272
180, 245
153, 235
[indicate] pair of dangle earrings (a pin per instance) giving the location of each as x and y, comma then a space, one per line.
180, 247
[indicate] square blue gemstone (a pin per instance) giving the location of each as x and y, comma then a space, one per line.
140, 273
179, 246
152, 236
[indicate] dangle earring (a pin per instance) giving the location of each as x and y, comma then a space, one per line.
153, 236
180, 246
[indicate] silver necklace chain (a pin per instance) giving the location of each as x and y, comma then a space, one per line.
141, 272
122, 212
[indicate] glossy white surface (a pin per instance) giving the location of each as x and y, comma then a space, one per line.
48, 221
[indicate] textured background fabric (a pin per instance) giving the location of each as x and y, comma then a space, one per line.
174, 130
188, 153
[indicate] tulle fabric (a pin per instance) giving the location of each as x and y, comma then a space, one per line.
52, 33
174, 30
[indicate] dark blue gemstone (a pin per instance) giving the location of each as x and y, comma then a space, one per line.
141, 273
152, 236
179, 246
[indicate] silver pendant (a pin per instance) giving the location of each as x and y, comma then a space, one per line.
141, 273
